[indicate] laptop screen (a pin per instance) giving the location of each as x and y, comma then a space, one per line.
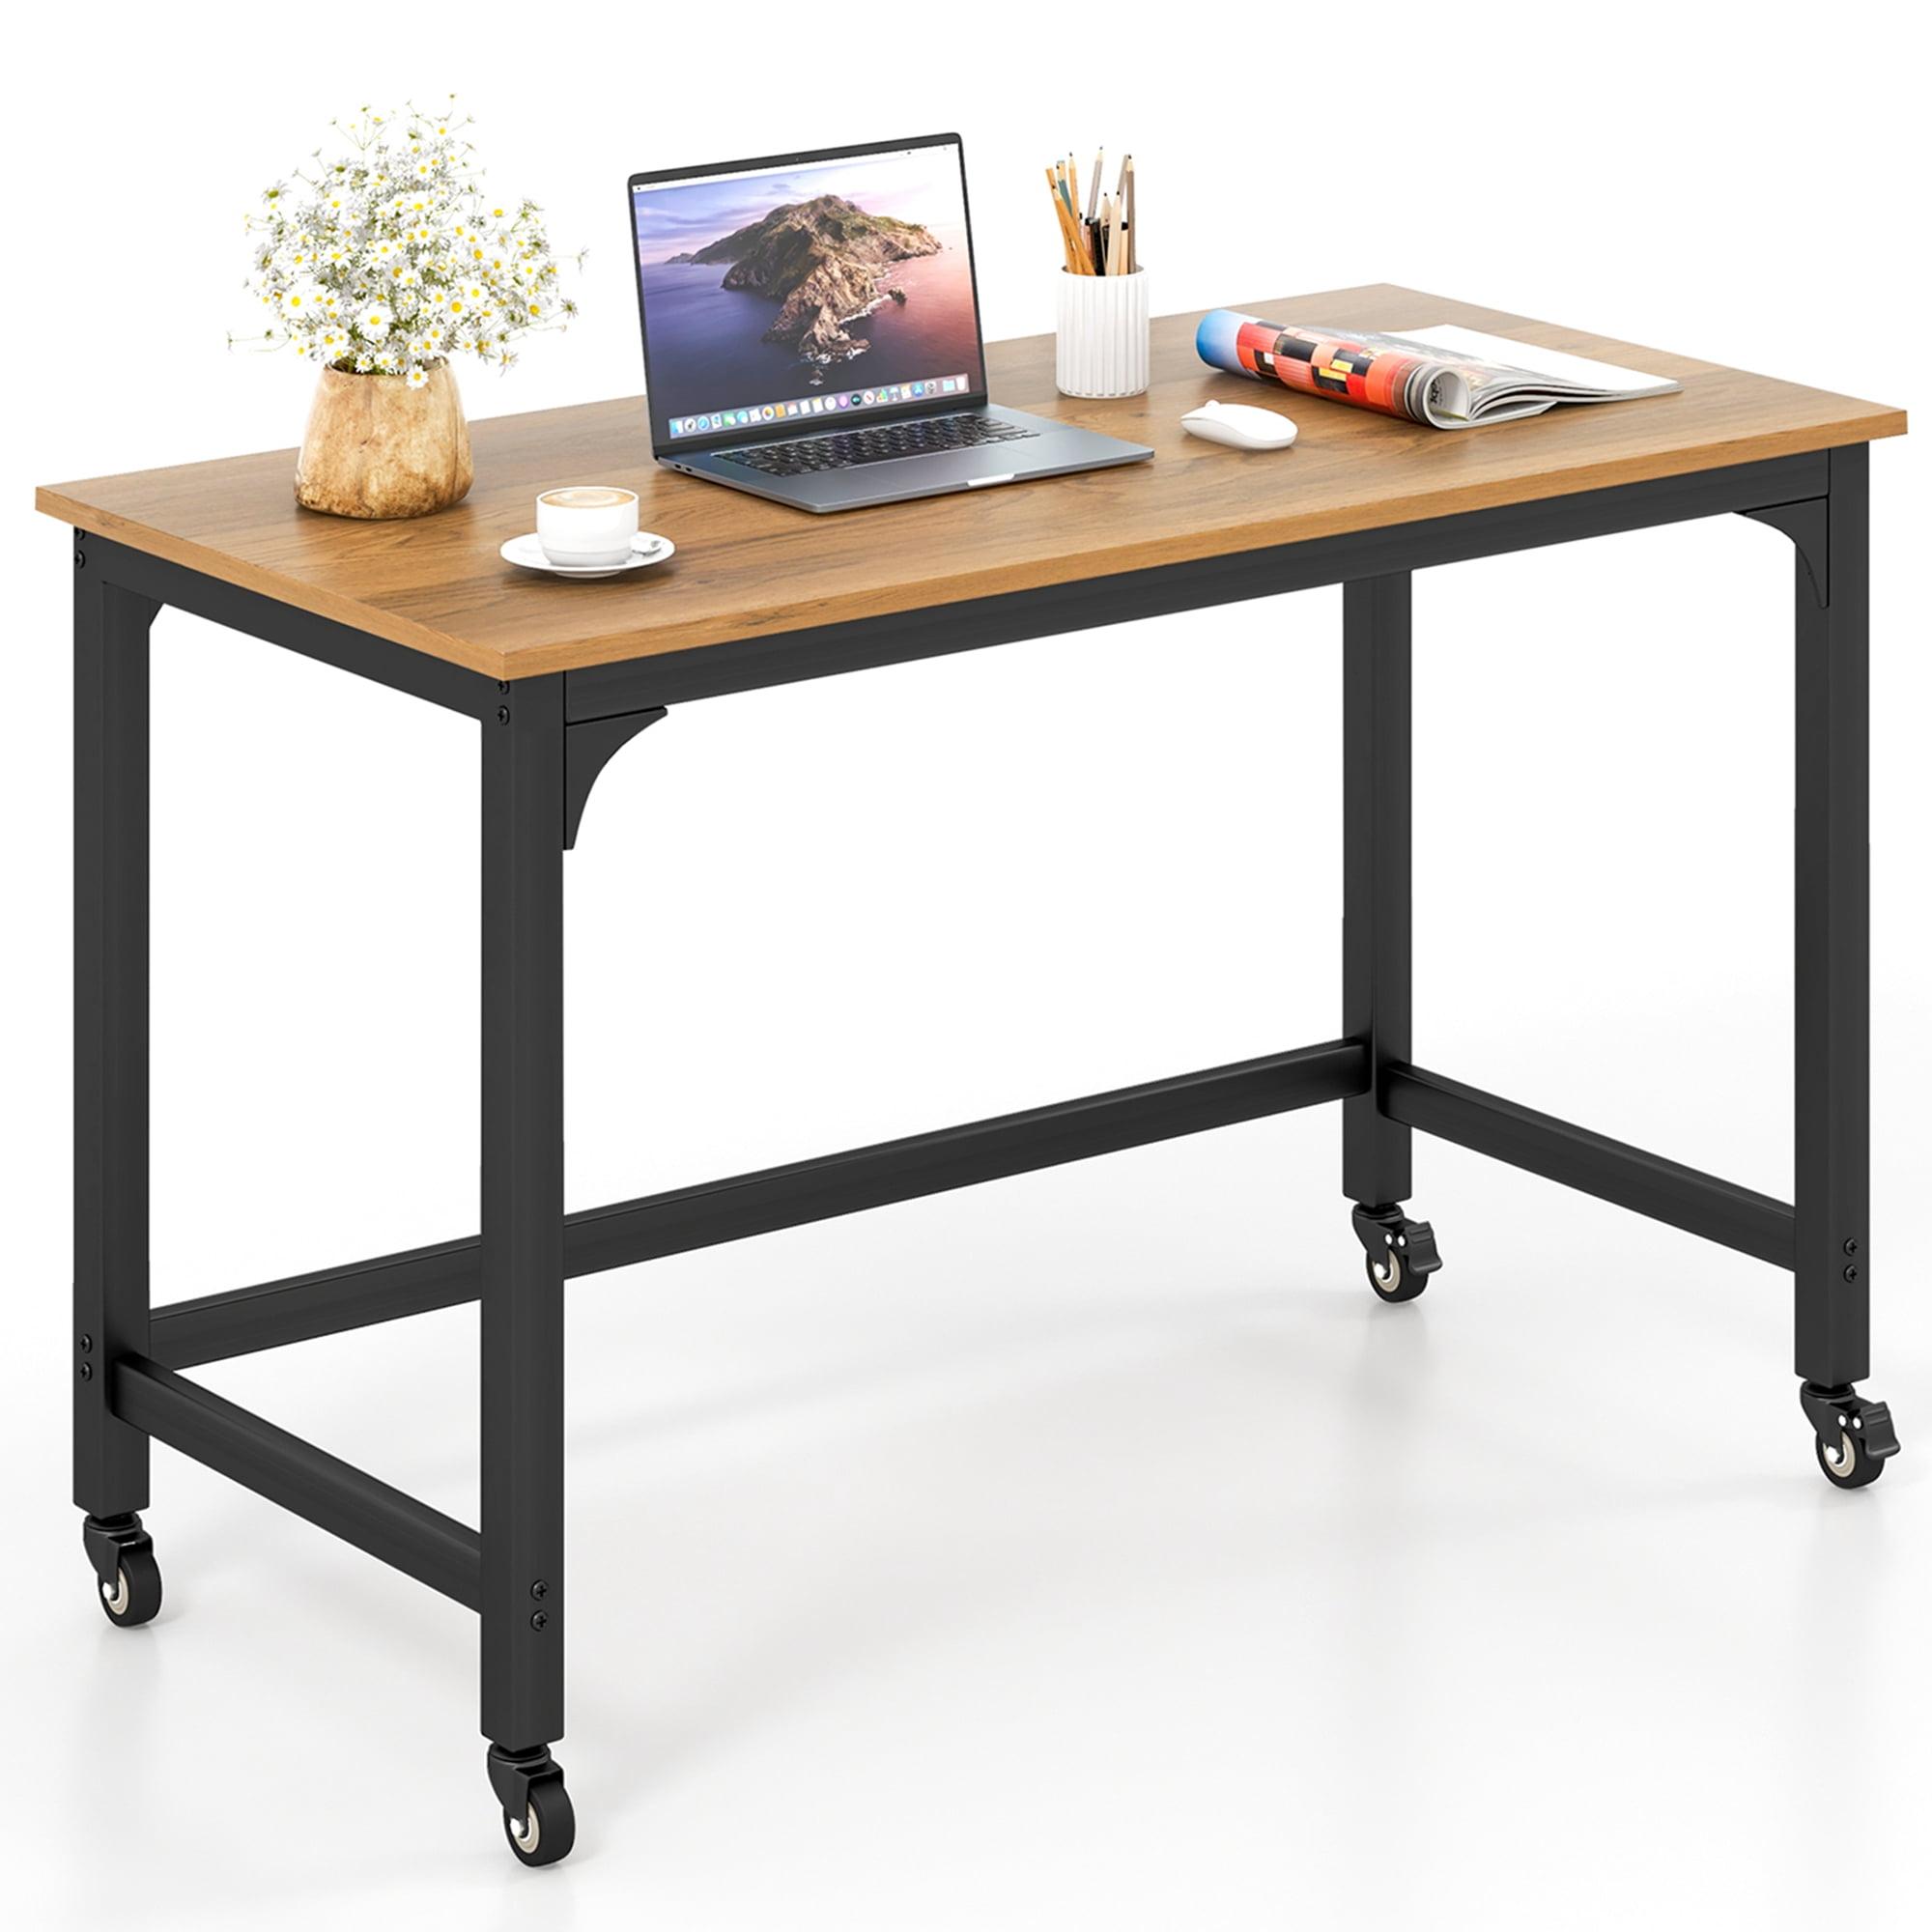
779, 295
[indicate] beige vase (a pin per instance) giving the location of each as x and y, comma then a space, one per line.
376, 447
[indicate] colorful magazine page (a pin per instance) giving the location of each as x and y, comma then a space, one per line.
1448, 378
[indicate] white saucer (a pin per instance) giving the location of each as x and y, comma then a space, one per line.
526, 553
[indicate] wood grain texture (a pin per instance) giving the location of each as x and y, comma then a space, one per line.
749, 568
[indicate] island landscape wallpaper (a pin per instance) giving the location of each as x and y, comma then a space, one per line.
830, 278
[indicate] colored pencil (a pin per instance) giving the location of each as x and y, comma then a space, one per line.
1101, 240
1066, 236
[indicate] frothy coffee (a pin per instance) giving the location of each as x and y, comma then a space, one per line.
589, 497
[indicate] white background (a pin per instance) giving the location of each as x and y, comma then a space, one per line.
1090, 1549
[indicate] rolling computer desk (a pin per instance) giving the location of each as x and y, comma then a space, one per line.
560, 676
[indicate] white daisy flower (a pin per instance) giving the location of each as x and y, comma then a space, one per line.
418, 378
392, 258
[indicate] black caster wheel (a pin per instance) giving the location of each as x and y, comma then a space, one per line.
548, 1828
1845, 1463
1398, 1255
538, 1820
1855, 1437
123, 1555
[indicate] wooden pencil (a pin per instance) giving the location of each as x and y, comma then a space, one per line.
1102, 239
1066, 243
1069, 194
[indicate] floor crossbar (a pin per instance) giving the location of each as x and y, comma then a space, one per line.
242, 1321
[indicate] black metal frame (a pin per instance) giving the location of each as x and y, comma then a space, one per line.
544, 741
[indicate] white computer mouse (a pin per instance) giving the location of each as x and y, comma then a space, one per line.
1240, 425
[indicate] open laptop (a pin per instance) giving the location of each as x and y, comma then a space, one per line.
811, 332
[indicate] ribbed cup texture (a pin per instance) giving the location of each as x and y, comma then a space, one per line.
1102, 349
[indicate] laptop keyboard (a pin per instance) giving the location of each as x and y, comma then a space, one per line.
843, 450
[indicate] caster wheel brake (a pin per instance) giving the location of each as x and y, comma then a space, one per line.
123, 1555
1855, 1437
1398, 1255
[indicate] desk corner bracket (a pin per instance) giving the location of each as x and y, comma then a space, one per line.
588, 745
1808, 526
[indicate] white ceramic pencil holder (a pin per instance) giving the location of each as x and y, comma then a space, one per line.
1100, 348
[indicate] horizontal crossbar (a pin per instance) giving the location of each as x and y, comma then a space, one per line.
749, 663
294, 628
1699, 1203
332, 1495
213, 1327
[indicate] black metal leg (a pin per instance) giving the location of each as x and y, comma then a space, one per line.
1833, 996
522, 1219
110, 1035
1833, 892
1376, 747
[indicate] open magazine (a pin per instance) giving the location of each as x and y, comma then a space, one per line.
1448, 377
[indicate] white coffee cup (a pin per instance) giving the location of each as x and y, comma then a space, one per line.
586, 524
